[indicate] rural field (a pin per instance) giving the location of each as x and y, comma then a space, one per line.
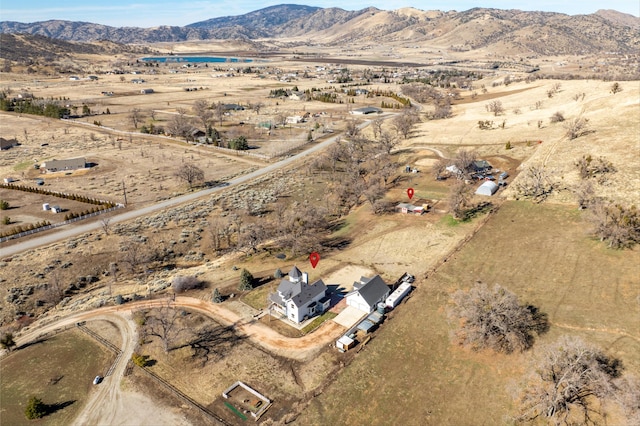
340, 202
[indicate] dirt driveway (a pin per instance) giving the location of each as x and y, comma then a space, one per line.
112, 405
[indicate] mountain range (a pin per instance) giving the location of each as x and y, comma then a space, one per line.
543, 33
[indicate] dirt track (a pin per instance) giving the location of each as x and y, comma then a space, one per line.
112, 405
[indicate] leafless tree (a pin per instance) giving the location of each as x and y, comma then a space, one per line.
495, 107
628, 397
585, 194
179, 124
251, 236
376, 127
164, 323
439, 167
256, 106
190, 173
302, 227
577, 127
403, 123
136, 116
219, 111
203, 111
373, 193
615, 224
387, 141
352, 130
134, 253
568, 384
459, 200
535, 184
492, 318
463, 161
104, 223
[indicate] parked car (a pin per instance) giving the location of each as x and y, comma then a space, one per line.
97, 380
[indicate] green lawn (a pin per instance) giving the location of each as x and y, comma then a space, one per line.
70, 358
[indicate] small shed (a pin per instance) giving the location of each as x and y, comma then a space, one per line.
56, 209
487, 188
146, 91
345, 343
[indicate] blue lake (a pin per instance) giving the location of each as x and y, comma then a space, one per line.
186, 59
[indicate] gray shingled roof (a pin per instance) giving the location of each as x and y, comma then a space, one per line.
298, 292
309, 292
373, 289
295, 272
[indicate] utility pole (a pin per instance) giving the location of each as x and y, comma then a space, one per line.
124, 192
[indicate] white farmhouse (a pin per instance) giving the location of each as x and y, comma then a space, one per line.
297, 299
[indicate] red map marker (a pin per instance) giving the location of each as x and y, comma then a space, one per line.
314, 258
410, 193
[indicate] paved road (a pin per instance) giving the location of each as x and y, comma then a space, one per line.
72, 230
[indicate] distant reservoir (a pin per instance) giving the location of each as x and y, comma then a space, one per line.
187, 59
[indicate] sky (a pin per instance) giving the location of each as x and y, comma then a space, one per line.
152, 13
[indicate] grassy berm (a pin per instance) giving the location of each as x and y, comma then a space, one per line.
412, 374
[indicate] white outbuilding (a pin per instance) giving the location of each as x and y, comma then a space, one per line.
487, 188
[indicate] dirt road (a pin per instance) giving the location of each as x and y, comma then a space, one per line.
112, 405
10, 248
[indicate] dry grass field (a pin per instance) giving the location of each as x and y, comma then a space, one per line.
410, 373
59, 370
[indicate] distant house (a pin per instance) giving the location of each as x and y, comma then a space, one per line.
487, 188
295, 119
64, 165
198, 135
410, 208
146, 91
367, 293
297, 299
233, 107
366, 110
481, 166
8, 143
296, 95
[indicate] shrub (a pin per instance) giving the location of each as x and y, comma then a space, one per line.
6, 220
557, 117
4, 205
216, 297
7, 341
278, 273
140, 360
35, 409
183, 283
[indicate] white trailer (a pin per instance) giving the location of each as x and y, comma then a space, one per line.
396, 297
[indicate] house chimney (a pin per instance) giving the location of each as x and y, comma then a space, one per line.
305, 278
